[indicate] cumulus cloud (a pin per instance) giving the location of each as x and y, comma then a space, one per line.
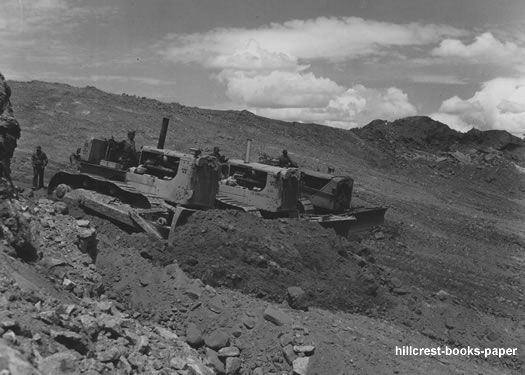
297, 95
355, 106
498, 105
280, 89
254, 58
266, 69
484, 49
330, 38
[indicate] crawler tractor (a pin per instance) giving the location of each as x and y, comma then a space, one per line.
155, 196
325, 193
263, 189
272, 191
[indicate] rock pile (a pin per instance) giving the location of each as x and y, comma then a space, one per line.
75, 332
93, 337
17, 232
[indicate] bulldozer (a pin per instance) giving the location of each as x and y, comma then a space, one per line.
271, 191
326, 193
155, 196
265, 190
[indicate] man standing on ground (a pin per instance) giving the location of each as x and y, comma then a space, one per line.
74, 159
39, 160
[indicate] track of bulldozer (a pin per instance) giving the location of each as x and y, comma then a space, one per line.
121, 191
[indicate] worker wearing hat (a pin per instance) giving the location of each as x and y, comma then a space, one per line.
39, 161
129, 156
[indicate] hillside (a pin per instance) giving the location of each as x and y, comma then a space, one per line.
447, 266
60, 114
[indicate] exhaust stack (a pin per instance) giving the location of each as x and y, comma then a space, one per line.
248, 150
163, 133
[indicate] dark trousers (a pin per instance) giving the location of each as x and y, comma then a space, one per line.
38, 177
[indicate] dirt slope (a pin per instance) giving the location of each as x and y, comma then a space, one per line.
450, 259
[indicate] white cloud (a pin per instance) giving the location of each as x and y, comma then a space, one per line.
356, 106
255, 58
484, 49
266, 69
280, 89
498, 105
335, 38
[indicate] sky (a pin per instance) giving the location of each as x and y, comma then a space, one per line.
339, 63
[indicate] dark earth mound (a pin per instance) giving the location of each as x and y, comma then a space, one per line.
265, 257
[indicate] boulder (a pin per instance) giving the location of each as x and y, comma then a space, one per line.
12, 362
229, 351
194, 336
87, 242
233, 365
64, 363
305, 349
217, 339
214, 361
112, 354
297, 298
178, 363
442, 295
289, 354
248, 322
143, 345
276, 316
83, 223
60, 208
300, 366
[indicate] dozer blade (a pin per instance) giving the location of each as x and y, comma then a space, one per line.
113, 209
227, 202
115, 189
341, 224
367, 217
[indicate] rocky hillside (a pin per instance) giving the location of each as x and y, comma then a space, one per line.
446, 269
60, 117
423, 133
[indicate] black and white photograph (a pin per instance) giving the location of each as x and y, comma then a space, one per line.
262, 187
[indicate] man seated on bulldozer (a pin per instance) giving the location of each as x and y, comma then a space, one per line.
129, 151
222, 161
285, 161
217, 153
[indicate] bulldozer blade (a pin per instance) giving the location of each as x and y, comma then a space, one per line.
367, 217
341, 224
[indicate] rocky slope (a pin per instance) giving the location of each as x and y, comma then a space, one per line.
446, 269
